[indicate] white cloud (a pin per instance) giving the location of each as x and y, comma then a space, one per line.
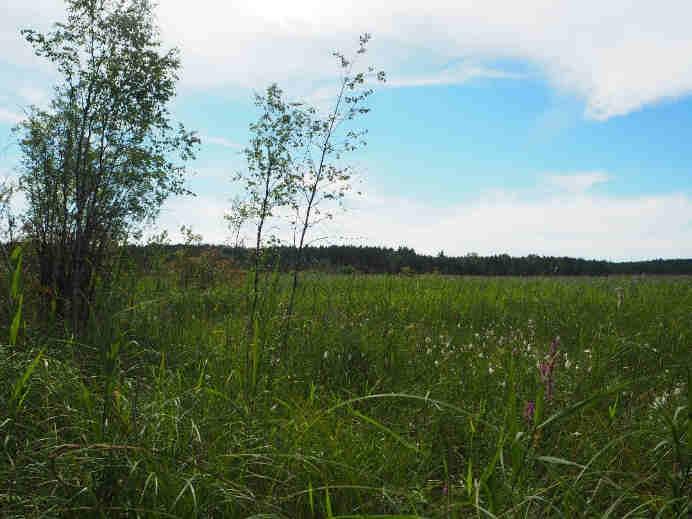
221, 141
558, 222
9, 116
203, 213
29, 14
567, 223
618, 55
578, 182
33, 95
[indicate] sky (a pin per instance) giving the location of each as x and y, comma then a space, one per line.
544, 126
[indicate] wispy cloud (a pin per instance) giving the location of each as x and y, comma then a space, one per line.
221, 141
452, 76
578, 182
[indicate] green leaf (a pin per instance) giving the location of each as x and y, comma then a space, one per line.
16, 253
16, 321
328, 503
17, 274
558, 461
20, 388
579, 405
385, 429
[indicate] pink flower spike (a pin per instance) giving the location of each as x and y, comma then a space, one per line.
529, 411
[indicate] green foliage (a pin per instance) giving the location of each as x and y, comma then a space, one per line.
21, 387
398, 397
16, 297
323, 177
268, 180
105, 154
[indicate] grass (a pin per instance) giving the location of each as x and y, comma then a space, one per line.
395, 397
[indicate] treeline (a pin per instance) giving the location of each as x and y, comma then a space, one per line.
404, 260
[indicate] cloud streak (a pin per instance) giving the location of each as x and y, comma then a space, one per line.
452, 76
221, 141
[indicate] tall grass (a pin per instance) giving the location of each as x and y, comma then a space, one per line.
395, 397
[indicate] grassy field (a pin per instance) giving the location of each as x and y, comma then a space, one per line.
422, 396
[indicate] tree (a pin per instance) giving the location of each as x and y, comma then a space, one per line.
269, 181
322, 176
7, 238
236, 218
105, 155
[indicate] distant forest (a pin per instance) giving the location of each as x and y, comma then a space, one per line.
404, 260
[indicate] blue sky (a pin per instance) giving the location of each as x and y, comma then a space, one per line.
545, 127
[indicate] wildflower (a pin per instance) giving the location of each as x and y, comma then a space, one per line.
529, 411
546, 369
491, 370
660, 401
554, 346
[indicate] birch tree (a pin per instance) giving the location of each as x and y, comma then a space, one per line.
105, 154
322, 176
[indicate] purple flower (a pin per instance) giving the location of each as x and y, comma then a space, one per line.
546, 368
529, 411
554, 346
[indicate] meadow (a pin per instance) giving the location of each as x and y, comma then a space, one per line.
393, 396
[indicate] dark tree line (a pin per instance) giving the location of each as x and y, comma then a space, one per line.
404, 260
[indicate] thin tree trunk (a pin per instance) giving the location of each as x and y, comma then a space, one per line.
306, 221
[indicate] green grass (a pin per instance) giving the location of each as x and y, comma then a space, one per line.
395, 397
